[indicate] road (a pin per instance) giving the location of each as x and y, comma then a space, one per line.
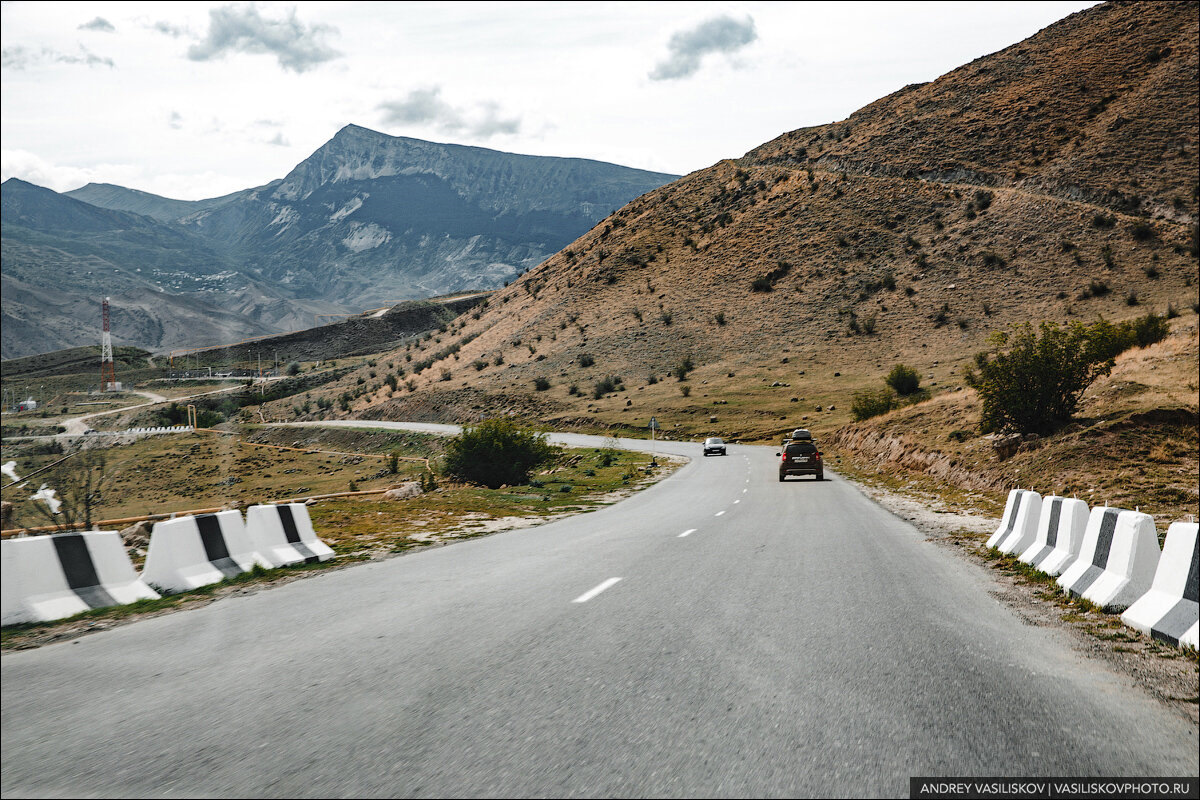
720, 634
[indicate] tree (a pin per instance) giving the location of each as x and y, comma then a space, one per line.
496, 453
78, 482
1033, 382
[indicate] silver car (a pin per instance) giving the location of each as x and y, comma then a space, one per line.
714, 446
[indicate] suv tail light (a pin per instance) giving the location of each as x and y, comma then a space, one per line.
818, 456
785, 456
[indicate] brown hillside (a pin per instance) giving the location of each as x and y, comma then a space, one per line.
1101, 106
996, 194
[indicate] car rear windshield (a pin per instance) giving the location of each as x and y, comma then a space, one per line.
801, 448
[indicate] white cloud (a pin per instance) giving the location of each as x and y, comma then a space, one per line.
688, 48
99, 24
425, 107
19, 57
241, 29
175, 121
175, 31
32, 168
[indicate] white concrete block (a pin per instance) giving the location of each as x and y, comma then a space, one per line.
1010, 515
1024, 528
284, 534
1117, 559
189, 552
1063, 545
1170, 611
51, 577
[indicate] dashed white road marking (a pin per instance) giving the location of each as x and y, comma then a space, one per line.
745, 490
686, 533
735, 502
583, 598
719, 513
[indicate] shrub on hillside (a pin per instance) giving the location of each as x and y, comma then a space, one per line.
867, 404
496, 453
1033, 382
607, 385
904, 380
681, 370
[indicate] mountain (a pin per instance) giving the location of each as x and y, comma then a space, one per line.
367, 220
370, 215
1052, 180
168, 287
163, 209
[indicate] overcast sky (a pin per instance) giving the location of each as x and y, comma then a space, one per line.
195, 100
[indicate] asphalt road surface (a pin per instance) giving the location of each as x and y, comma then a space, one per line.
720, 634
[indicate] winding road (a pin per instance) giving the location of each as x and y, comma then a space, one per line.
720, 634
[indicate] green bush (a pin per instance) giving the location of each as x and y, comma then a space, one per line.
867, 404
607, 385
1034, 383
541, 384
904, 380
1150, 328
495, 453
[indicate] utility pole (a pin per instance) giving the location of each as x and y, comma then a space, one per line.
108, 375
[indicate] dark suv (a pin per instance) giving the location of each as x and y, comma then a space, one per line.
801, 457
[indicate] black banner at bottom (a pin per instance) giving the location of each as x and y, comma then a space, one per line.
1056, 788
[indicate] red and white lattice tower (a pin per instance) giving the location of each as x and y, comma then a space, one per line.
108, 376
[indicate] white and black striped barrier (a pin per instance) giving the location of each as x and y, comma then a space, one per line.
1010, 516
1117, 560
190, 552
1061, 525
1170, 611
51, 577
284, 534
1021, 527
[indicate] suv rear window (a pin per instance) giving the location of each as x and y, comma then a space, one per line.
801, 448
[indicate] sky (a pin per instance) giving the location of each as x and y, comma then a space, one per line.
192, 100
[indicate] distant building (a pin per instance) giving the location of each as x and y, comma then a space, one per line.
27, 405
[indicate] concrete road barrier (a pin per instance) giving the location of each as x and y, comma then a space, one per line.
284, 534
1007, 521
1024, 524
50, 577
1060, 531
1170, 611
1117, 559
190, 552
